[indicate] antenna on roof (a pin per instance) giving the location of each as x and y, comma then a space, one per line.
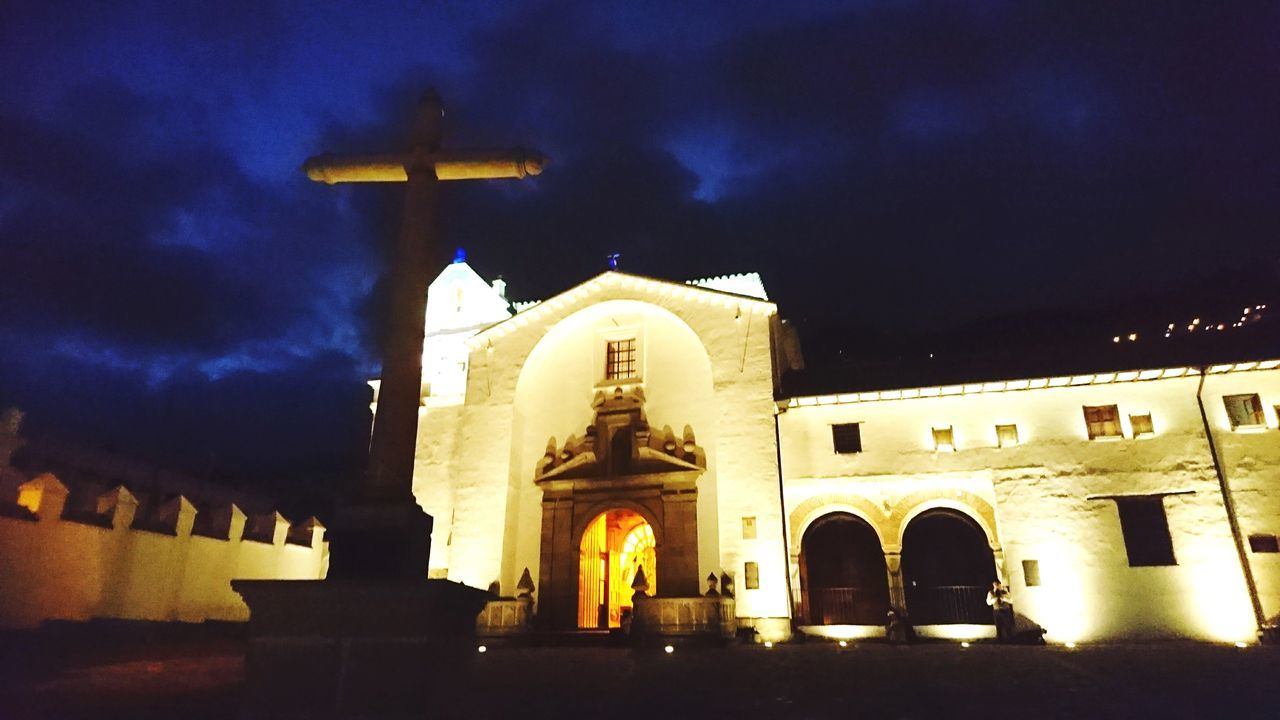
613, 260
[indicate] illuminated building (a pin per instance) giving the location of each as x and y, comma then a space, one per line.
551, 431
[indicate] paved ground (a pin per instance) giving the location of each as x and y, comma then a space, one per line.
813, 680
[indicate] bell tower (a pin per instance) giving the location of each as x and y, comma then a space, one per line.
459, 304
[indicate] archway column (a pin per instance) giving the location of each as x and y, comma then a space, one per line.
678, 559
799, 612
558, 576
897, 591
1002, 573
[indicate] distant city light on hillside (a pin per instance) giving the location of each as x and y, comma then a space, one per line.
1249, 315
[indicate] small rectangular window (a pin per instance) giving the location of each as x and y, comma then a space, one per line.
1031, 572
1244, 410
752, 572
847, 438
1102, 421
1006, 435
748, 528
943, 440
620, 359
1142, 425
1264, 543
1146, 531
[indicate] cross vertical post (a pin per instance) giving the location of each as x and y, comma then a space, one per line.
389, 476
383, 533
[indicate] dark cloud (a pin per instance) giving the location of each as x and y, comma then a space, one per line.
897, 171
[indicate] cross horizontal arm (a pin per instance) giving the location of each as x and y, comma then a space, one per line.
449, 165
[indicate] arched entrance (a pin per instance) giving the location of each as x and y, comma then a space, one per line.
843, 580
614, 547
947, 568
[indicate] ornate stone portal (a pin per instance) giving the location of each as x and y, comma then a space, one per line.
620, 464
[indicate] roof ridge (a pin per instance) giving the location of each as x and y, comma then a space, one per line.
1027, 383
567, 297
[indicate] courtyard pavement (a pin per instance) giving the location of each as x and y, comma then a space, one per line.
809, 680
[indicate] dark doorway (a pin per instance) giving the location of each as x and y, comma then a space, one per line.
843, 580
947, 569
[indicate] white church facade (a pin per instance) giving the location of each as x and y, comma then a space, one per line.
633, 426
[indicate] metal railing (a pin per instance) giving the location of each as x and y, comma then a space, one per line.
948, 605
848, 606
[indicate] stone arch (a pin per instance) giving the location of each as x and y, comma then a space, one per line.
605, 569
962, 501
673, 297
815, 508
594, 510
947, 564
843, 571
564, 327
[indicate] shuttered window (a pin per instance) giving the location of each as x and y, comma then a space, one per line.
943, 439
1102, 421
1244, 410
1141, 425
1146, 531
1264, 543
847, 438
1007, 435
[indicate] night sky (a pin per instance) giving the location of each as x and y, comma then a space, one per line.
908, 177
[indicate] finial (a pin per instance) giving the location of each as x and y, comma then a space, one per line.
641, 584
525, 587
613, 260
459, 256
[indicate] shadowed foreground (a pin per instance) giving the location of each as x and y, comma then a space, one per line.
813, 680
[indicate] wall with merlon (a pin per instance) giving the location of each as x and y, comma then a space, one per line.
53, 567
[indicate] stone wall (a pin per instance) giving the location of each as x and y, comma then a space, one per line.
1049, 499
104, 564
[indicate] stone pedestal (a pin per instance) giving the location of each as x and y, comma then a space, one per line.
693, 618
388, 539
358, 649
505, 617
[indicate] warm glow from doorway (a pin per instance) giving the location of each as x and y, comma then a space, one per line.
29, 497
615, 546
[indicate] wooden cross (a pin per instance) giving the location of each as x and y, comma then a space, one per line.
395, 427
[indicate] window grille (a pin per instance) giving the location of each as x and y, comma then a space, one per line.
620, 359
